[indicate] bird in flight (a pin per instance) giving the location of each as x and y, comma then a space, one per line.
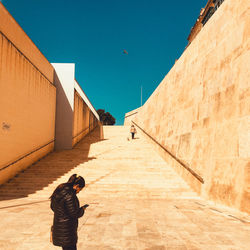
125, 52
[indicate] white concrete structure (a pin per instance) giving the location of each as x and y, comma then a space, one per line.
66, 85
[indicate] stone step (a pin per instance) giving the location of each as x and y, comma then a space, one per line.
134, 197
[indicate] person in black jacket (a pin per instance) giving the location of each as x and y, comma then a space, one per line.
65, 206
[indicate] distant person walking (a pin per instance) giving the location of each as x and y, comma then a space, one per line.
65, 206
133, 131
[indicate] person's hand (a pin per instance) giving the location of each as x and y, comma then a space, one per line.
85, 206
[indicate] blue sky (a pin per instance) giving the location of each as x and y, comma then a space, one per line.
93, 33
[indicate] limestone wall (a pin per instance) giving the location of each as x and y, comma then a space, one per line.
27, 100
201, 110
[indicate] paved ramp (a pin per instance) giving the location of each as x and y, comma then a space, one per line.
136, 201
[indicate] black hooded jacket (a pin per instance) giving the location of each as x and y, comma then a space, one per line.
65, 205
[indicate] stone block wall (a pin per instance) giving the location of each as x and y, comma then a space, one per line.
201, 110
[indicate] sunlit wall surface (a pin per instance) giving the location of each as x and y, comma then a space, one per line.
84, 120
27, 100
201, 110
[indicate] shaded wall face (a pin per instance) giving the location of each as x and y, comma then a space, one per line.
201, 110
27, 110
64, 80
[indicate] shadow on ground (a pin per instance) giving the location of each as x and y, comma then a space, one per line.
50, 168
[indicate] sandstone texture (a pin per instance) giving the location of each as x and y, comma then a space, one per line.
201, 110
130, 116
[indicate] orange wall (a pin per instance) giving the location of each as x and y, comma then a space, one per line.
81, 119
84, 120
201, 109
27, 100
10, 28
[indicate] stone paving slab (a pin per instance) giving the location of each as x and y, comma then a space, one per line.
136, 201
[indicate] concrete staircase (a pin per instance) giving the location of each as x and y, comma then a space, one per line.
137, 201
114, 166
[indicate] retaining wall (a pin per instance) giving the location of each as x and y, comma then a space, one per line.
200, 111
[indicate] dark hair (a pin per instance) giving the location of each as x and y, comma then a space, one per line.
76, 180
73, 180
